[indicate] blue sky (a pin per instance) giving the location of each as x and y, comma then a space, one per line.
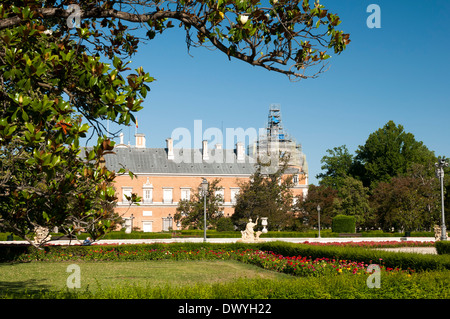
398, 72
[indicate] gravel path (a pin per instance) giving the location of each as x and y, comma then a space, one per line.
417, 250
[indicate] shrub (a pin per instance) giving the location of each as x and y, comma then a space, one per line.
10, 252
343, 224
442, 247
225, 224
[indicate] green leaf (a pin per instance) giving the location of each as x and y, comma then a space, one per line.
91, 155
110, 191
11, 130
25, 116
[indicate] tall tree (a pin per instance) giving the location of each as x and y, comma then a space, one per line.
354, 201
190, 212
410, 202
306, 209
389, 152
266, 195
337, 165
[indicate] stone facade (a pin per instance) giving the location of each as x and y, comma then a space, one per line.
167, 175
162, 182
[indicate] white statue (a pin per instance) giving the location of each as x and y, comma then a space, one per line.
42, 235
249, 235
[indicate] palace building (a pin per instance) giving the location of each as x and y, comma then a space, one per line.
167, 175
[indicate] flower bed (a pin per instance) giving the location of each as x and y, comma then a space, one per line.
296, 265
304, 266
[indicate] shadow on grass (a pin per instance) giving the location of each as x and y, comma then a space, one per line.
22, 289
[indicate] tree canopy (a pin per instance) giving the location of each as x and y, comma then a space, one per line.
64, 68
286, 36
266, 195
389, 152
190, 212
389, 183
337, 165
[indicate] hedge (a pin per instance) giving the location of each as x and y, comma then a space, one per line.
442, 247
343, 224
229, 234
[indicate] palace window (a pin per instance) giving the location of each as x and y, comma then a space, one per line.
221, 193
234, 193
148, 195
126, 191
185, 193
167, 196
147, 226
147, 192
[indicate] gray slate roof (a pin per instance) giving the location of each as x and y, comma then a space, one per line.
155, 161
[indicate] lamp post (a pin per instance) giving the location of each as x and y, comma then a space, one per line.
170, 228
318, 214
205, 191
440, 174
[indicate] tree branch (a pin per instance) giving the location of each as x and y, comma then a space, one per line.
185, 18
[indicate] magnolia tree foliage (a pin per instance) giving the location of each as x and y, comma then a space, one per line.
64, 69
287, 36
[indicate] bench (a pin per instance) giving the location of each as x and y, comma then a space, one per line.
350, 235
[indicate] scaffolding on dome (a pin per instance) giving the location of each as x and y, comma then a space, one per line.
277, 141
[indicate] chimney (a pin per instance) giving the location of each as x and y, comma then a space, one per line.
121, 144
140, 140
170, 154
205, 150
240, 151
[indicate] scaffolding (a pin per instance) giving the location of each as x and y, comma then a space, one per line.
276, 141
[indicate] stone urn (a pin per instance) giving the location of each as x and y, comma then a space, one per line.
264, 224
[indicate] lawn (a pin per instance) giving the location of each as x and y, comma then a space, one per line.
52, 276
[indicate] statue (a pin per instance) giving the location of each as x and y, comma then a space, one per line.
249, 235
437, 233
42, 235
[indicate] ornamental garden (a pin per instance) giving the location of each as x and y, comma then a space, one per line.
260, 270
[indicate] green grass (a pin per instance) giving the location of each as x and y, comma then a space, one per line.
16, 278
